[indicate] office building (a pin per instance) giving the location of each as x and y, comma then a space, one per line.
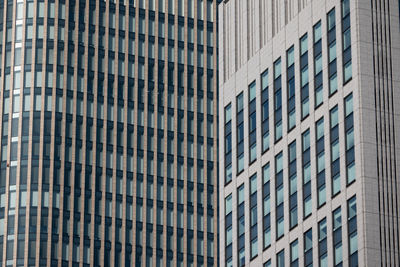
108, 133
309, 131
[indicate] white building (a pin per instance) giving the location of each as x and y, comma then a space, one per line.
309, 132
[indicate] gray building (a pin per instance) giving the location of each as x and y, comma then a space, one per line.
309, 132
108, 133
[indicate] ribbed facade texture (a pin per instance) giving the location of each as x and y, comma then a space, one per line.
309, 154
108, 133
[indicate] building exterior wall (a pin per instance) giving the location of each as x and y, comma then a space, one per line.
253, 35
104, 159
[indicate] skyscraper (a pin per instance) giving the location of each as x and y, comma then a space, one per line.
108, 133
309, 109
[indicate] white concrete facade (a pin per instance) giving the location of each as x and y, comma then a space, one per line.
253, 35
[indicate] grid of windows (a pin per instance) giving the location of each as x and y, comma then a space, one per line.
349, 139
291, 90
318, 79
278, 100
307, 201
305, 105
86, 124
293, 185
346, 41
316, 134
279, 193
267, 205
265, 111
320, 152
253, 217
240, 133
252, 123
228, 144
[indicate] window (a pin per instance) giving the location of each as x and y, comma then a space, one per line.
200, 9
228, 144
322, 244
335, 160
352, 231
332, 68
292, 185
305, 109
40, 10
266, 205
241, 226
240, 133
171, 7
349, 136
280, 230
265, 111
252, 123
320, 152
280, 259
308, 256
318, 79
346, 41
253, 217
278, 100
294, 254
337, 237
291, 91
307, 203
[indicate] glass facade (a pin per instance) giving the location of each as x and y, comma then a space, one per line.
100, 100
